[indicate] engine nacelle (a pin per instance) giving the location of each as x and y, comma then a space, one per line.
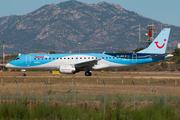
67, 69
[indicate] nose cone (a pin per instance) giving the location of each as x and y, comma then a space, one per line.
8, 65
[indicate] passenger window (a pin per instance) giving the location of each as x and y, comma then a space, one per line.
34, 58
113, 57
92, 57
68, 58
88, 57
42, 58
80, 57
57, 58
84, 57
106, 57
38, 58
46, 58
109, 57
61, 58
77, 58
64, 58
49, 58
53, 58
72, 58
102, 57
96, 57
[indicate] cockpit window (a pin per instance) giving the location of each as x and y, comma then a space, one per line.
17, 58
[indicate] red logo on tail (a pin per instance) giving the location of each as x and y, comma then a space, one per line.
160, 46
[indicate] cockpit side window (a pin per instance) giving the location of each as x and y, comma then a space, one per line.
17, 58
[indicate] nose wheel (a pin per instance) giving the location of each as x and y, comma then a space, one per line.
88, 73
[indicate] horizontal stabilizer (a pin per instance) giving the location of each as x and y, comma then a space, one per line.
157, 56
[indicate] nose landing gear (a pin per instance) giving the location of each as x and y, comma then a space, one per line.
88, 73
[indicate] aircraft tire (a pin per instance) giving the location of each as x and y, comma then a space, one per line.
87, 73
24, 74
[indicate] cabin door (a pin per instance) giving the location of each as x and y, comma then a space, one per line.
28, 59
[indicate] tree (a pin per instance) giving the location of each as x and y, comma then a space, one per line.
176, 55
122, 51
178, 60
138, 49
52, 52
176, 52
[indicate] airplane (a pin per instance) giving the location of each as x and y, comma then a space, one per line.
74, 62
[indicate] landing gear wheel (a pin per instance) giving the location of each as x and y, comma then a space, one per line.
88, 73
24, 74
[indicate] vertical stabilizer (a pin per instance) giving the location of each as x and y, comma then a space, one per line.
159, 45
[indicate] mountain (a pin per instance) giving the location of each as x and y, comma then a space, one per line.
60, 27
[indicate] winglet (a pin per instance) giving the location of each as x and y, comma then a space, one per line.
100, 57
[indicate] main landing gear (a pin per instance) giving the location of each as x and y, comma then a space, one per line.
88, 73
24, 72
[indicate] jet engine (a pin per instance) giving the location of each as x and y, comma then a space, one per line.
67, 69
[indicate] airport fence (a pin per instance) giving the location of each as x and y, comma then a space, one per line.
90, 93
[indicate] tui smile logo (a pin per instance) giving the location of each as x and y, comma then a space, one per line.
160, 46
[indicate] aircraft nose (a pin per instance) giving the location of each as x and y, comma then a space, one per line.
8, 65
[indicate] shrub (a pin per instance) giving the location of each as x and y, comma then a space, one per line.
178, 60
138, 49
134, 68
122, 51
164, 65
49, 92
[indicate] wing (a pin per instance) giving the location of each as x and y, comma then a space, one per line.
89, 64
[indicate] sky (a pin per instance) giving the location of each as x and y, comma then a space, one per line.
165, 11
